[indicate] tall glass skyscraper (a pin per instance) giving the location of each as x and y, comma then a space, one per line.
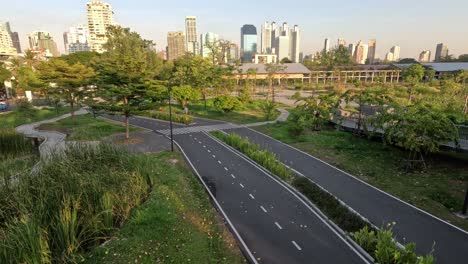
248, 42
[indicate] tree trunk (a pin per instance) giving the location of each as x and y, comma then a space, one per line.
72, 111
465, 108
127, 127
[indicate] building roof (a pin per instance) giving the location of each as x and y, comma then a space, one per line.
249, 30
291, 68
439, 66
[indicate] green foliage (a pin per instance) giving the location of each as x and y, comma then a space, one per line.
13, 144
62, 209
339, 56
265, 158
245, 95
413, 73
383, 247
268, 109
87, 58
5, 74
227, 103
184, 94
183, 119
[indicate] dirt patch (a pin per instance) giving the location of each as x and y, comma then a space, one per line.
129, 141
173, 161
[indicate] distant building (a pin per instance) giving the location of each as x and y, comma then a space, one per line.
326, 45
442, 52
352, 49
43, 43
207, 40
425, 56
162, 54
248, 42
76, 39
266, 38
389, 57
265, 58
283, 50
341, 42
100, 16
396, 53
191, 35
16, 41
295, 38
372, 50
361, 53
6, 43
175, 45
232, 53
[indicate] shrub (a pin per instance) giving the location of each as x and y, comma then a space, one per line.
245, 95
227, 103
269, 110
183, 119
184, 94
13, 144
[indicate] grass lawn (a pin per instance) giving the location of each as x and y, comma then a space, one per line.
177, 223
86, 128
439, 191
249, 113
14, 119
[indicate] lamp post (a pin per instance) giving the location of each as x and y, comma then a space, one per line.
465, 204
170, 117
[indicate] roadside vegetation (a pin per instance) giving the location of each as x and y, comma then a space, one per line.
380, 244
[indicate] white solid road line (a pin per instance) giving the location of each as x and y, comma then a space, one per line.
251, 196
296, 245
241, 185
263, 209
232, 175
278, 225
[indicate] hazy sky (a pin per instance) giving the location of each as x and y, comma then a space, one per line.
415, 25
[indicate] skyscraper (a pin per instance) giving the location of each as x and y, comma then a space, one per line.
295, 44
275, 33
206, 41
76, 39
372, 50
232, 53
361, 53
352, 49
43, 43
100, 16
442, 52
248, 42
266, 38
425, 56
341, 42
175, 45
16, 41
191, 34
326, 46
396, 53
389, 57
6, 43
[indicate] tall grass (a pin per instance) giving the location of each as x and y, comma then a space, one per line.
183, 119
13, 144
71, 204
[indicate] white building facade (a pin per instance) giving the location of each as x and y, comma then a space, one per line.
100, 16
76, 39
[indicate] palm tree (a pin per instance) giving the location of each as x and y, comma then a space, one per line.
30, 58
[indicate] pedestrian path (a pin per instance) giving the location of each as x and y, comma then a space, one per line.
281, 118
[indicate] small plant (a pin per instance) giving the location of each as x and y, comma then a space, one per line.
227, 103
269, 110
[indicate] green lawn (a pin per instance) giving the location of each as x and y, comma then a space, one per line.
249, 113
15, 118
86, 128
439, 191
177, 223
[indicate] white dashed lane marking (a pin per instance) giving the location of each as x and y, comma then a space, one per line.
232, 175
214, 156
241, 185
263, 209
226, 169
209, 151
296, 245
219, 161
278, 225
251, 196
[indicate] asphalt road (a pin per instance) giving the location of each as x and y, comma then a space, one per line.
412, 224
275, 225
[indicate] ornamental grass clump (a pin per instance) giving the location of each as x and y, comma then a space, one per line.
71, 204
13, 144
182, 119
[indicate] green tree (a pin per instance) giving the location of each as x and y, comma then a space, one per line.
408, 61
285, 60
463, 79
273, 71
420, 130
463, 58
124, 71
86, 58
227, 103
65, 81
184, 94
412, 76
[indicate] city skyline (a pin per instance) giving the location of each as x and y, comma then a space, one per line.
410, 34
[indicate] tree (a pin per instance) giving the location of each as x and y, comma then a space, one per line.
273, 70
420, 130
463, 58
66, 81
462, 78
86, 58
227, 103
408, 61
124, 71
184, 94
413, 75
285, 60
30, 59
5, 74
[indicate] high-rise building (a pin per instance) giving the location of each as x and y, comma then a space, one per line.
248, 42
76, 39
43, 43
389, 57
266, 38
361, 53
396, 53
352, 49
191, 35
207, 41
341, 42
16, 41
372, 50
232, 53
442, 52
6, 42
326, 46
295, 44
275, 33
100, 16
425, 56
175, 45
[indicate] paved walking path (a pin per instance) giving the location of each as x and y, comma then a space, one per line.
53, 141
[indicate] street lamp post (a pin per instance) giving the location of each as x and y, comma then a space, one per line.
465, 204
170, 117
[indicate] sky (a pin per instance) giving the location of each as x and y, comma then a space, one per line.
414, 25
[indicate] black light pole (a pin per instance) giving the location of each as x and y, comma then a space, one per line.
170, 117
465, 204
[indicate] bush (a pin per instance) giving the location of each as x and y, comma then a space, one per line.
72, 203
24, 106
245, 95
13, 144
227, 103
183, 119
269, 110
